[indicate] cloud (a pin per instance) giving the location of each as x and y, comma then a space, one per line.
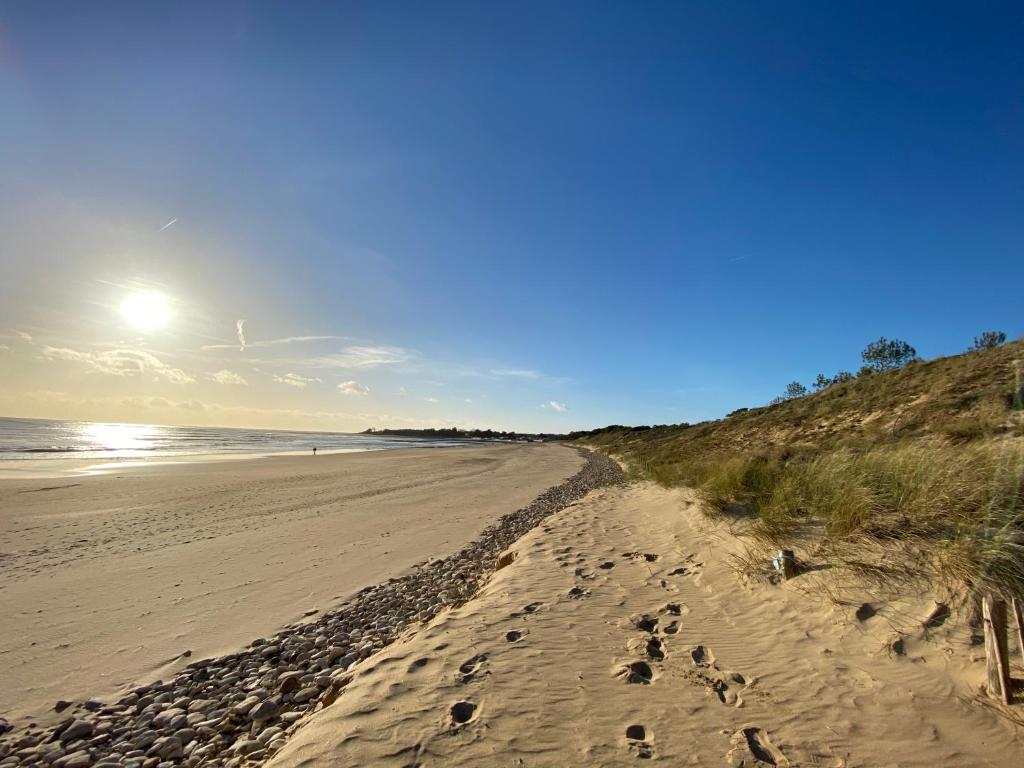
353, 388
119, 362
556, 406
294, 380
228, 377
4, 348
362, 357
431, 400
24, 336
516, 372
243, 344
168, 224
468, 400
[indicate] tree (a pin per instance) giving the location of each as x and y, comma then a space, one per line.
794, 390
824, 382
989, 340
887, 355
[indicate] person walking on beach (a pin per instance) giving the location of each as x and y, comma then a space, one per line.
314, 450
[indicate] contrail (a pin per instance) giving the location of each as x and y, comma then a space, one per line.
240, 328
165, 226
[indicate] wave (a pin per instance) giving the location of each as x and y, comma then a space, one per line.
71, 449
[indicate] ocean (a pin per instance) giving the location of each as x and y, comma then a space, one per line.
27, 440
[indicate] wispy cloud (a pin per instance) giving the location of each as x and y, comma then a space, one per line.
244, 343
168, 224
294, 380
431, 400
358, 357
118, 362
353, 388
516, 372
228, 377
555, 406
4, 348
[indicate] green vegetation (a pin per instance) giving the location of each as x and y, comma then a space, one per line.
989, 340
912, 470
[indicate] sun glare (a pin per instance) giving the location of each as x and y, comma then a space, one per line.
146, 310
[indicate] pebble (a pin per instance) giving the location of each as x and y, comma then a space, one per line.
237, 710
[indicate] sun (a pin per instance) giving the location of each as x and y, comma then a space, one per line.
146, 310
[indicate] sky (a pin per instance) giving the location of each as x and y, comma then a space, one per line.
532, 216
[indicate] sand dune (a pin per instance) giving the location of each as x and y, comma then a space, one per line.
110, 580
620, 632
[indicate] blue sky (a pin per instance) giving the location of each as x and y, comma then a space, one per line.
523, 215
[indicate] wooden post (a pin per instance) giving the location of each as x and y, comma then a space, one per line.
1020, 626
997, 665
788, 562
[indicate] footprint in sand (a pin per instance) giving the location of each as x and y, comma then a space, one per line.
645, 623
469, 668
418, 664
636, 672
462, 712
649, 557
668, 586
701, 656
671, 628
578, 593
655, 648
639, 741
607, 565
531, 608
753, 742
514, 636
673, 609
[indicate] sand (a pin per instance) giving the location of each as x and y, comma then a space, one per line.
621, 631
119, 579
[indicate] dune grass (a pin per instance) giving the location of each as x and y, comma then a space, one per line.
924, 465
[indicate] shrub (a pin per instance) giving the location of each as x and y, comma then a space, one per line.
824, 382
887, 355
794, 390
988, 340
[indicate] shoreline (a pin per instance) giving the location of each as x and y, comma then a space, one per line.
108, 581
48, 469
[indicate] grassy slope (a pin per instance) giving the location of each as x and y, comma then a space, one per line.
928, 457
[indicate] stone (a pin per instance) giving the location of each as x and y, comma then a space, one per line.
79, 729
166, 748
77, 760
305, 695
265, 710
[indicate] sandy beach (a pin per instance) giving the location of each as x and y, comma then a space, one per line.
621, 631
123, 578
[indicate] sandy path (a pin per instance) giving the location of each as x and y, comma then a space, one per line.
106, 581
536, 666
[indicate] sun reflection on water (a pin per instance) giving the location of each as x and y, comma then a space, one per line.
122, 439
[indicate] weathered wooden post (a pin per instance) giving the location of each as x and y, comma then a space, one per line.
785, 563
1019, 620
997, 663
